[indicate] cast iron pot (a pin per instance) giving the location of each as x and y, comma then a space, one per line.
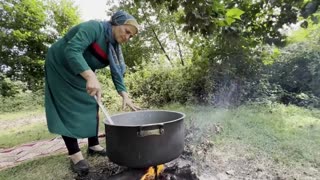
145, 138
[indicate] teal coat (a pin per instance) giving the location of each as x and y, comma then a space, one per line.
70, 110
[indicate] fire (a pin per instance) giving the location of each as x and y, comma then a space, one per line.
151, 175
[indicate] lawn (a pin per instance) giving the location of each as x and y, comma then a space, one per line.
287, 135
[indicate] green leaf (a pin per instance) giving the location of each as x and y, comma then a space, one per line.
230, 20
234, 13
275, 55
221, 22
276, 52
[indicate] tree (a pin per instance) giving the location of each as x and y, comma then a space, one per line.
160, 33
144, 47
28, 27
64, 14
258, 20
235, 30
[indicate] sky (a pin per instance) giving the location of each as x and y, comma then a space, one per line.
92, 9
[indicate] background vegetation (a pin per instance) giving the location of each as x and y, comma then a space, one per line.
222, 53
249, 67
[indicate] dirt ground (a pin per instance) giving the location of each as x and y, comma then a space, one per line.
203, 160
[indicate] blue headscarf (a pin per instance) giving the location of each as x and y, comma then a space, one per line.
121, 17
115, 56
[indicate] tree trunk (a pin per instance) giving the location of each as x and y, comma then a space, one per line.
176, 36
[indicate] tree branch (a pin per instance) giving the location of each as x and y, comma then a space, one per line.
156, 36
176, 36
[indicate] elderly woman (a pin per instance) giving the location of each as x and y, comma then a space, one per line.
71, 84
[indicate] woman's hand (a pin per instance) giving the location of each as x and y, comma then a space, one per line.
127, 101
93, 86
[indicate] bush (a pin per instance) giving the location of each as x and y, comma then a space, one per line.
110, 96
299, 74
10, 88
23, 101
158, 85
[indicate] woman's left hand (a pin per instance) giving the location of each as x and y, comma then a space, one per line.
127, 101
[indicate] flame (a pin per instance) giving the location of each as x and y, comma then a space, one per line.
150, 174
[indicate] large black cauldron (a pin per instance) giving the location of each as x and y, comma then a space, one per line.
145, 138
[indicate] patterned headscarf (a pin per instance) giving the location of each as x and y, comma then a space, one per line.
122, 17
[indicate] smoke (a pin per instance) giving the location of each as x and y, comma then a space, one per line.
227, 94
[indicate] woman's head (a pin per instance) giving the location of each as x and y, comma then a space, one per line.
124, 26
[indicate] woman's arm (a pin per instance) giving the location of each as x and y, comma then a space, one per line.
93, 86
87, 33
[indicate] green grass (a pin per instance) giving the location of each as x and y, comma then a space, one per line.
33, 132
20, 135
287, 134
48, 168
54, 167
290, 134
6, 116
22, 129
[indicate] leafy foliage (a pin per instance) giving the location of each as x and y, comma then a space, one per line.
27, 28
234, 62
157, 86
64, 14
298, 72
221, 57
160, 35
23, 101
258, 20
10, 88
22, 40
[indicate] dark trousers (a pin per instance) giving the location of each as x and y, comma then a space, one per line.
73, 146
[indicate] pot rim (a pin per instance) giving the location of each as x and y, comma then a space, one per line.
153, 124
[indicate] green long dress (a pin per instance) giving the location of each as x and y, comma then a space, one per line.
70, 110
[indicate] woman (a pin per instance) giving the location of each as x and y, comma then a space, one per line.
71, 84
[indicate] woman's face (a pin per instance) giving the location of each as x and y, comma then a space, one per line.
123, 33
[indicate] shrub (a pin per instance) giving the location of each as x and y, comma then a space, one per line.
159, 85
10, 88
23, 101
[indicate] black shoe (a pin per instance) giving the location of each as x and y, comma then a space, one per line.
81, 167
97, 153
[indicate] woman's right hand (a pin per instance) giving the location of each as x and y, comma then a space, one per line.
93, 86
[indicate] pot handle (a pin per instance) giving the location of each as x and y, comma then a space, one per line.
157, 131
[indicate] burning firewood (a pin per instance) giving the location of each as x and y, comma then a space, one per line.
153, 172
